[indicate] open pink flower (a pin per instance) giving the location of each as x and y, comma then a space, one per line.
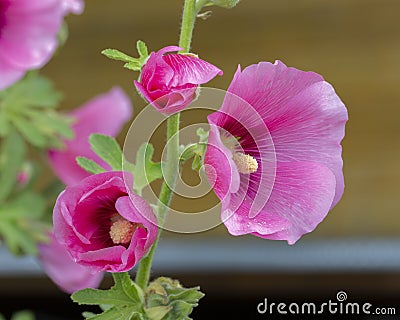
104, 114
169, 80
274, 154
28, 34
103, 224
63, 270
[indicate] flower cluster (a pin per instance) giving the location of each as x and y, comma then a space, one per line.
273, 155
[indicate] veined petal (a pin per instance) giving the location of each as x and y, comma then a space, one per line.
302, 195
305, 117
64, 271
220, 169
189, 69
104, 114
9, 74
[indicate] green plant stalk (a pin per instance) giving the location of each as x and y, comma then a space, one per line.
172, 163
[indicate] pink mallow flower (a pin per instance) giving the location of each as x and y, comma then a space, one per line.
103, 224
169, 80
104, 114
274, 153
28, 34
61, 268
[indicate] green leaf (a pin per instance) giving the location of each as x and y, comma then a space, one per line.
30, 132
51, 123
118, 55
130, 288
89, 165
124, 300
108, 149
2, 317
23, 315
4, 124
145, 170
11, 160
26, 205
20, 222
127, 313
18, 241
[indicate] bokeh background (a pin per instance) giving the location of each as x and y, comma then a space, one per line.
355, 45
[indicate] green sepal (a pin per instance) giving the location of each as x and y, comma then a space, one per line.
115, 54
131, 63
89, 165
108, 149
124, 300
145, 171
169, 294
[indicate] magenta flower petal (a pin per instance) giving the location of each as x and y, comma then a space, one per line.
63, 271
74, 6
300, 200
290, 176
28, 34
190, 69
303, 113
104, 114
9, 74
169, 80
103, 225
221, 171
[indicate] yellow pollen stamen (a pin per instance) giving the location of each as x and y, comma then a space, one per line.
245, 163
121, 230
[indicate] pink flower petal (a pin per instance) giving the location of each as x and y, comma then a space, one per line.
9, 74
169, 81
189, 69
220, 168
83, 219
302, 112
63, 271
302, 196
28, 34
104, 114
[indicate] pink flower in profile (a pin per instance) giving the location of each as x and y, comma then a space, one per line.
63, 270
104, 225
274, 153
169, 80
28, 34
104, 114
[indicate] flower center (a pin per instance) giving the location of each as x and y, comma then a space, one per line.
245, 163
121, 230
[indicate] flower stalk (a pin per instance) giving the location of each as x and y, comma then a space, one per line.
172, 162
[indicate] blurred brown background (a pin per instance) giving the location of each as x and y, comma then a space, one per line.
354, 44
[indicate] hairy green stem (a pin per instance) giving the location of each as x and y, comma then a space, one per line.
172, 163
